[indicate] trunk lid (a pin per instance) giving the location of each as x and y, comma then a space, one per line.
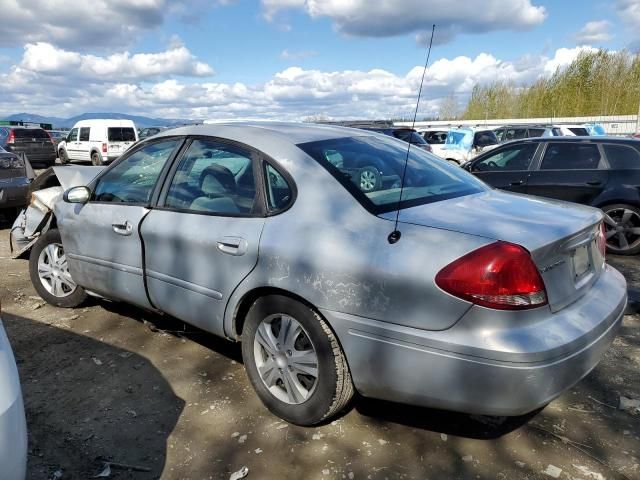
560, 236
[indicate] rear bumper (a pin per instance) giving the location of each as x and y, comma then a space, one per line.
13, 427
489, 366
13, 195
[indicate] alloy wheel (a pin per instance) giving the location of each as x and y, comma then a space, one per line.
622, 229
53, 271
286, 359
367, 180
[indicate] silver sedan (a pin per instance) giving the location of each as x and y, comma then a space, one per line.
283, 236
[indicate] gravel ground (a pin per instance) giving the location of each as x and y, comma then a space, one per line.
109, 382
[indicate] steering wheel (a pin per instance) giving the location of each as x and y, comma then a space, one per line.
492, 164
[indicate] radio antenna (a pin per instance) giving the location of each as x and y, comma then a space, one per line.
395, 235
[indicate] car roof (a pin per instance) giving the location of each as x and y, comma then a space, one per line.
244, 131
577, 139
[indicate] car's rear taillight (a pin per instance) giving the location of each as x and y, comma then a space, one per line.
50, 138
104, 148
12, 137
500, 275
601, 240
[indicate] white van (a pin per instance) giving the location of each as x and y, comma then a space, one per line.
465, 143
99, 141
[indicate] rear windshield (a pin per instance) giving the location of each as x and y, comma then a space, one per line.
409, 136
121, 134
579, 131
371, 170
30, 133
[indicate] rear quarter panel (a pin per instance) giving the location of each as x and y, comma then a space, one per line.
623, 186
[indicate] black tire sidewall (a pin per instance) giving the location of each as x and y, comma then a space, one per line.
70, 301
632, 251
316, 408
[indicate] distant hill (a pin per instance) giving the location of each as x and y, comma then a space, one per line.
58, 122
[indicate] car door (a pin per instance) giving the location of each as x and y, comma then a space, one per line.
572, 171
101, 238
84, 145
72, 144
203, 238
506, 167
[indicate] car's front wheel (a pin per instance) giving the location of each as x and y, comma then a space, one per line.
622, 229
62, 155
96, 159
50, 275
294, 361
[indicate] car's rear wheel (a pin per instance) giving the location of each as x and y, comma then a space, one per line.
50, 275
622, 228
294, 361
96, 159
62, 155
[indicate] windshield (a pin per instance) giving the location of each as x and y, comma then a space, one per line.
459, 139
371, 169
409, 135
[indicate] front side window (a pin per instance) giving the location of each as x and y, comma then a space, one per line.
436, 138
371, 170
622, 157
132, 179
410, 136
214, 177
84, 134
484, 139
509, 159
73, 135
571, 156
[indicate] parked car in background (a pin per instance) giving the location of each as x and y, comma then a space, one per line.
405, 134
436, 139
567, 131
149, 132
57, 136
13, 425
255, 232
16, 175
603, 172
514, 132
595, 129
465, 143
34, 142
98, 141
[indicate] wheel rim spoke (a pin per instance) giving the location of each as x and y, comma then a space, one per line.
296, 392
610, 233
269, 372
626, 216
53, 271
305, 362
610, 221
265, 337
622, 239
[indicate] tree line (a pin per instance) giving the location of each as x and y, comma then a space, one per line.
595, 83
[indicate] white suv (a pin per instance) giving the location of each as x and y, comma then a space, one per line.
465, 143
99, 141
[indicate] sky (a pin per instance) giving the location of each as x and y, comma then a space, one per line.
287, 59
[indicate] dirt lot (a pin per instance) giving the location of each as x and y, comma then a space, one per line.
110, 382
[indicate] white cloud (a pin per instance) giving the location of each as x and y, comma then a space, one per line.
386, 18
44, 58
295, 55
594, 32
629, 12
37, 85
81, 24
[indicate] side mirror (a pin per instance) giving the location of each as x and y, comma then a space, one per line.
77, 195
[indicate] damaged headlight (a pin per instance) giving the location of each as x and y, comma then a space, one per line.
13, 163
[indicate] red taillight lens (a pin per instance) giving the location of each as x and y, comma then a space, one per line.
50, 137
500, 275
104, 148
12, 137
601, 240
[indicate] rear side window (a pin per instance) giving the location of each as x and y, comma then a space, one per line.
409, 136
536, 132
484, 139
30, 133
622, 157
579, 131
278, 190
571, 156
515, 134
371, 169
84, 134
121, 134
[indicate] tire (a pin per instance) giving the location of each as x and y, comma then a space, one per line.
42, 250
369, 179
327, 393
62, 155
622, 226
96, 159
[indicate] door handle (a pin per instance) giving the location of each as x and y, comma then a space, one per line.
124, 229
519, 182
233, 245
594, 182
